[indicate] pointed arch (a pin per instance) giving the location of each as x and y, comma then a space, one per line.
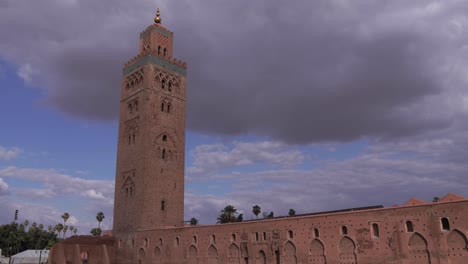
234, 254
317, 252
141, 256
168, 142
157, 255
192, 255
212, 255
457, 246
261, 257
418, 249
289, 253
347, 249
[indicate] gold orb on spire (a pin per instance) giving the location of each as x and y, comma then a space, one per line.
157, 19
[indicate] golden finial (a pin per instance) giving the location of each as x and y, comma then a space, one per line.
157, 19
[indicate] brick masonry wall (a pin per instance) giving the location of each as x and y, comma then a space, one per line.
293, 239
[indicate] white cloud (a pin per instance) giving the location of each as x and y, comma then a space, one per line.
26, 72
214, 157
59, 184
33, 193
93, 194
53, 194
3, 187
9, 153
384, 173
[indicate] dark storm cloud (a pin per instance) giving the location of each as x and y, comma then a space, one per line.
302, 71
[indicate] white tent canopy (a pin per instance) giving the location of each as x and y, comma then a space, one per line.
31, 256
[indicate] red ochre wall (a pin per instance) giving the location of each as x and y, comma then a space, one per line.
232, 243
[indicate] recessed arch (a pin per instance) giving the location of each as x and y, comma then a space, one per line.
212, 255
418, 249
141, 256
347, 249
317, 252
234, 253
457, 246
262, 257
157, 255
290, 253
192, 255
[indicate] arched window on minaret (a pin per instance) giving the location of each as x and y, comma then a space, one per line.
168, 108
169, 86
163, 156
163, 205
165, 52
162, 107
163, 84
159, 50
164, 138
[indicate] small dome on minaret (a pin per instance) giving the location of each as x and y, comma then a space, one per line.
157, 19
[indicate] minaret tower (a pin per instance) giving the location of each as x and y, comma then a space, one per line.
149, 181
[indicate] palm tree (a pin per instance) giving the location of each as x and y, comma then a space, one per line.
50, 229
26, 223
65, 229
75, 230
256, 210
96, 231
41, 227
100, 216
292, 212
71, 228
227, 215
65, 217
59, 228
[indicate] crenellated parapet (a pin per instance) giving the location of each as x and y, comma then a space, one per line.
145, 58
158, 28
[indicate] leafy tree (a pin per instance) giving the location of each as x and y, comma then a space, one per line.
240, 218
227, 215
256, 210
100, 216
14, 238
26, 223
96, 232
292, 212
435, 199
271, 215
193, 221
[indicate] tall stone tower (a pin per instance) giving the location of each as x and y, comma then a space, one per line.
149, 181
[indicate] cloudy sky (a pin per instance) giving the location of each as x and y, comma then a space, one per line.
311, 105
